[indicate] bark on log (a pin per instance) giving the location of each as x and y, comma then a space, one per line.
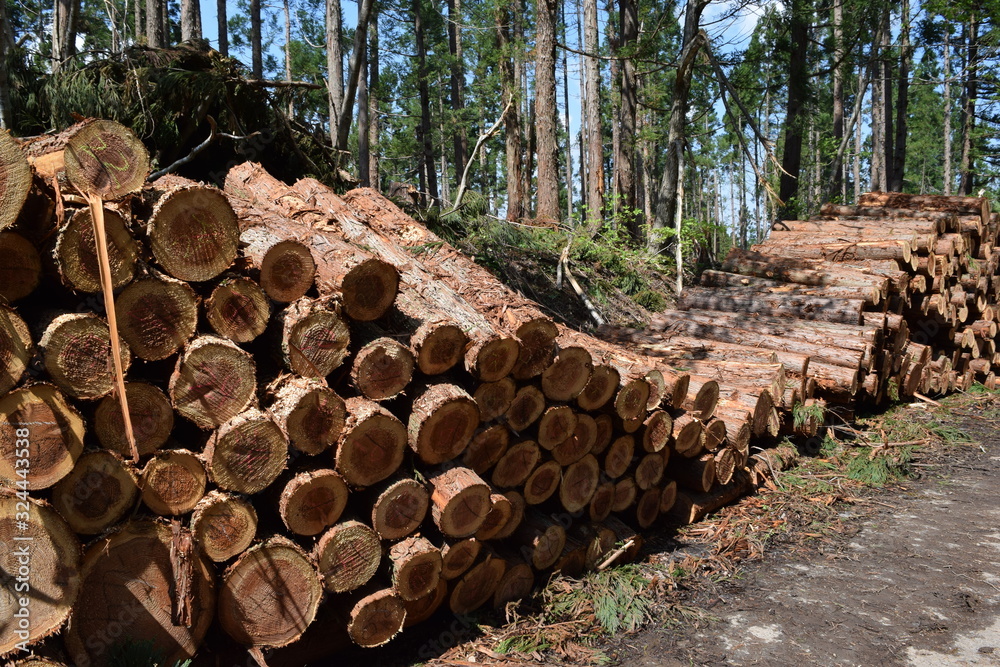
901, 251
348, 556
375, 619
76, 352
382, 369
238, 309
54, 431
314, 337
501, 511
311, 415
284, 266
694, 474
247, 453
442, 422
693, 506
460, 501
518, 506
874, 226
223, 525
312, 501
952, 204
735, 300
871, 294
416, 567
20, 267
97, 493
372, 443
156, 316
494, 398
173, 482
568, 374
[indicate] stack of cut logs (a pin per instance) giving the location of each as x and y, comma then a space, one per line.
317, 421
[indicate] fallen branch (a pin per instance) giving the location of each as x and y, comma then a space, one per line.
583, 295
483, 138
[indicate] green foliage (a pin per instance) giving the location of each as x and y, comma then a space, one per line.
522, 644
802, 413
139, 653
617, 597
878, 468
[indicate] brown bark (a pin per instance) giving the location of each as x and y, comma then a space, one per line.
16, 180
97, 493
348, 555
314, 337
442, 422
173, 482
312, 501
872, 293
382, 369
460, 501
547, 204
247, 453
416, 567
846, 311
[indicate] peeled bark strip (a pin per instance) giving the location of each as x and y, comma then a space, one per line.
400, 509
238, 309
542, 539
542, 483
442, 422
579, 482
568, 374
458, 556
312, 501
130, 575
270, 594
173, 482
156, 316
486, 448
618, 456
501, 512
557, 423
657, 431
213, 382
416, 567
517, 464
477, 587
579, 443
54, 431
193, 232
97, 493
76, 251
286, 266
494, 398
527, 406
247, 453
20, 266
420, 610
15, 179
76, 351
348, 555
460, 501
105, 158
600, 387
694, 474
151, 414
16, 349
310, 413
372, 443
314, 337
223, 525
382, 369
376, 619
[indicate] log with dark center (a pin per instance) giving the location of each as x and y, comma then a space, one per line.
556, 425
458, 556
579, 482
97, 493
314, 337
285, 266
20, 266
618, 456
460, 501
416, 567
442, 422
214, 381
156, 316
516, 464
348, 555
579, 443
543, 538
500, 514
311, 414
399, 508
238, 309
526, 407
247, 453
382, 369
312, 501
76, 251
602, 502
173, 482
494, 398
16, 349
477, 586
76, 352
41, 424
375, 619
105, 158
568, 374
542, 483
223, 525
486, 448
372, 443
193, 232
151, 414
15, 179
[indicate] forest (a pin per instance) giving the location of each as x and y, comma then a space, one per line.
647, 121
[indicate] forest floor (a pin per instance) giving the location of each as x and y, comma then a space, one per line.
860, 555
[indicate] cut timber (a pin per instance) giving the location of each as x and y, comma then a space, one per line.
311, 414
314, 337
649, 471
692, 506
625, 494
42, 552
953, 204
460, 501
377, 618
767, 375
527, 406
437, 343
400, 508
286, 268
542, 539
516, 583
420, 610
601, 386
694, 474
458, 556
131, 575
852, 227
223, 525
477, 586
382, 369
568, 374
151, 414
737, 300
371, 445
619, 456
557, 423
312, 501
173, 482
348, 555
442, 423
486, 448
656, 431
494, 398
872, 295
602, 502
105, 158
16, 349
40, 423
605, 429
156, 316
883, 212
213, 382
537, 335
517, 464
579, 482
725, 465
501, 512
416, 567
193, 232
647, 507
817, 273
517, 508
247, 453
76, 351
15, 182
20, 266
668, 496
579, 443
76, 251
238, 309
843, 252
715, 434
689, 435
270, 594
542, 483
703, 398
97, 493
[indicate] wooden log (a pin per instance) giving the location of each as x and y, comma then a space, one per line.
605, 431
517, 464
247, 453
602, 502
952, 204
527, 406
626, 493
382, 369
416, 567
376, 618
173, 482
76, 350
97, 493
420, 610
647, 508
458, 556
238, 309
725, 465
309, 413
846, 311
372, 443
901, 251
501, 511
442, 422
868, 228
15, 179
76, 251
656, 432
579, 443
884, 212
768, 376
40, 427
486, 448
516, 583
696, 474
312, 501
223, 525
600, 387
477, 586
668, 496
105, 158
689, 435
542, 539
557, 423
131, 575
314, 337
579, 482
871, 294
618, 456
568, 374
460, 501
494, 398
156, 316
542, 483
20, 266
214, 381
518, 506
284, 265
715, 434
694, 506
649, 471
193, 232
399, 508
269, 574
348, 555
16, 349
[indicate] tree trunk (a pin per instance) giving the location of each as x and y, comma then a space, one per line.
374, 92
256, 46
223, 525
364, 122
334, 65
795, 108
461, 141
567, 151
7, 45
902, 101
592, 110
512, 118
888, 136
838, 86
545, 110
190, 20
64, 17
222, 26
424, 138
946, 139
353, 75
969, 93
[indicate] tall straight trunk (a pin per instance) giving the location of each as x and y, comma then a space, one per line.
6, 54
583, 103
445, 190
795, 112
155, 27
460, 136
857, 144
256, 48
288, 53
568, 151
628, 18
666, 204
190, 20
511, 119
334, 65
888, 136
969, 93
354, 75
140, 21
616, 139
645, 160
947, 111
878, 180
902, 101
64, 13
426, 141
592, 110
364, 127
526, 113
223, 27
547, 186
373, 100
838, 84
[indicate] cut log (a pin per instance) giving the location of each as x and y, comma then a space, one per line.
518, 506
486, 448
156, 316
348, 555
400, 508
602, 502
372, 443
437, 343
696, 474
517, 464
579, 444
223, 525
76, 251
416, 567
285, 266
852, 225
41, 429
314, 337
542, 539
952, 204
647, 507
516, 583
420, 610
477, 586
725, 465
767, 376
883, 212
442, 422
692, 506
97, 493
105, 158
460, 501
736, 300
579, 482
247, 453
131, 575
15, 180
76, 352
601, 386
657, 430
689, 435
494, 398
458, 556
270, 595
20, 266
501, 511
527, 406
312, 501
151, 415
568, 374
375, 619
193, 232
311, 415
16, 349
619, 456
238, 309
872, 293
382, 369
843, 252
625, 494
649, 471
173, 482
668, 496
213, 382
715, 434
542, 483
605, 430
556, 425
